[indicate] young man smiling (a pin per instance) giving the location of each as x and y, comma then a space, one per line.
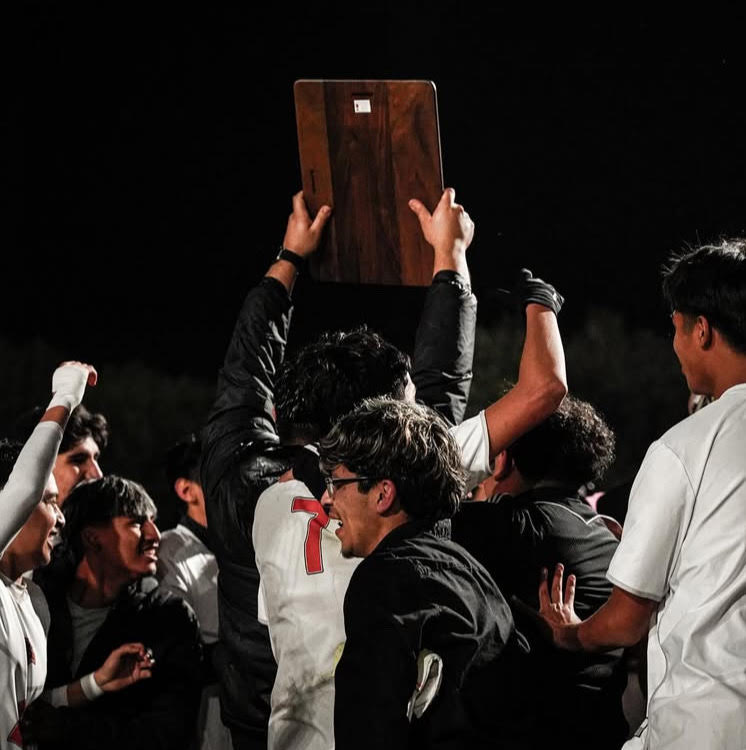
97, 603
430, 639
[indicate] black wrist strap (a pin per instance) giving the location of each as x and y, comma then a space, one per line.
297, 260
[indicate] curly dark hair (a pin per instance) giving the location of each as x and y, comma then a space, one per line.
573, 445
96, 502
326, 379
711, 281
407, 443
82, 424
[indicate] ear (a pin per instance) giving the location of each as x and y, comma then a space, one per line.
503, 465
704, 332
386, 497
182, 487
91, 539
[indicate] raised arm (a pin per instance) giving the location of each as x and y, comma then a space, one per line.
444, 345
542, 381
243, 411
27, 481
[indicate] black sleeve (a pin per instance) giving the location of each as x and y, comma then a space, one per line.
375, 676
243, 411
444, 346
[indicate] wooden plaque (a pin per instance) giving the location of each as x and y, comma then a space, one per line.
366, 148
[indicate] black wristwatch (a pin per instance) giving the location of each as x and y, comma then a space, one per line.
298, 261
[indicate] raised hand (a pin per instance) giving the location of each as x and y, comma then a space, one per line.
68, 384
302, 235
449, 228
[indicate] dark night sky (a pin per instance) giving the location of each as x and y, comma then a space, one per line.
158, 156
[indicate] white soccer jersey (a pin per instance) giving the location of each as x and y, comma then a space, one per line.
684, 545
23, 642
187, 568
303, 583
23, 658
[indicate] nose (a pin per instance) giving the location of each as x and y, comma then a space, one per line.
60, 517
93, 470
151, 532
326, 502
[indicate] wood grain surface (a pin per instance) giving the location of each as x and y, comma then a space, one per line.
367, 165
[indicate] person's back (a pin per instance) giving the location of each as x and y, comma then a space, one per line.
418, 590
305, 578
541, 522
515, 539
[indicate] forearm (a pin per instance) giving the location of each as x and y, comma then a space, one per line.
244, 404
541, 383
284, 272
542, 367
620, 623
444, 346
451, 258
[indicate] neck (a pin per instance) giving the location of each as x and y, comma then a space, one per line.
386, 524
11, 567
95, 587
732, 371
197, 514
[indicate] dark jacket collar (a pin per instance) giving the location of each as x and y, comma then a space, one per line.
439, 529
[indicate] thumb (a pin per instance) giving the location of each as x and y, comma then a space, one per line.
448, 199
420, 211
321, 218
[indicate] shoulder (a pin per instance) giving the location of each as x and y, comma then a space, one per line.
704, 425
276, 503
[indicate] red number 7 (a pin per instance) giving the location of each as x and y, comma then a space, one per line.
318, 520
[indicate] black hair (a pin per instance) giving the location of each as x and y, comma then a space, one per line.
573, 445
98, 501
328, 378
407, 443
82, 424
183, 460
711, 281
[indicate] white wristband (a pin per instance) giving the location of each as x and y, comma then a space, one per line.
68, 386
90, 687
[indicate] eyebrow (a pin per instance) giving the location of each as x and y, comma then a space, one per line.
82, 453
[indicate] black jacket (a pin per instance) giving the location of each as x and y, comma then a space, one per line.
419, 590
157, 713
242, 457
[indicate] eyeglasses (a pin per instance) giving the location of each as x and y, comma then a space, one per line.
332, 482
